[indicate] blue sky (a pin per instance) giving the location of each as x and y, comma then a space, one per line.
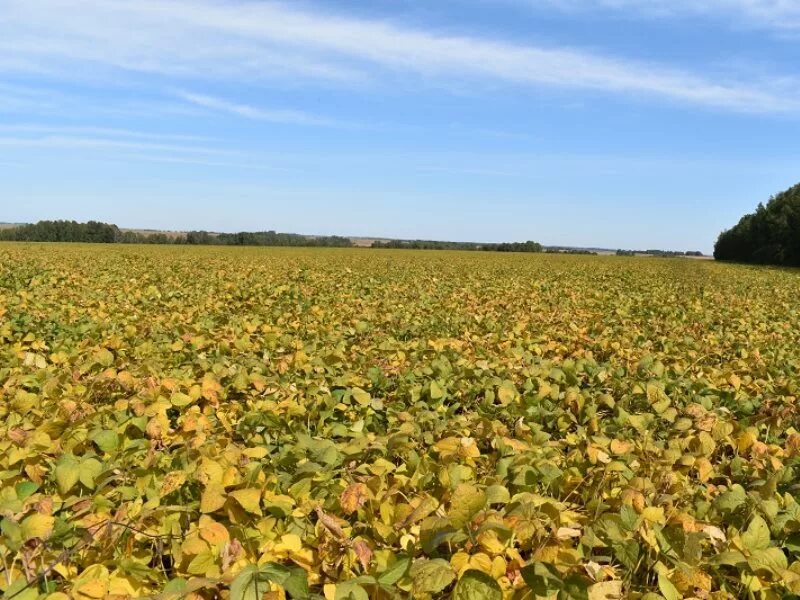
613, 123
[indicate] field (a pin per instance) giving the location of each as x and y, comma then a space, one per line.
248, 423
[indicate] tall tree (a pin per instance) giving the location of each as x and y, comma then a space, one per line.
770, 235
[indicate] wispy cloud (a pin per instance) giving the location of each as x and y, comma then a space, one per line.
294, 117
777, 14
155, 158
247, 41
72, 142
99, 131
118, 145
468, 171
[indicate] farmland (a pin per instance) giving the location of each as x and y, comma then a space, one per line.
353, 423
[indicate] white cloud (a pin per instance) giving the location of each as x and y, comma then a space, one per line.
95, 144
67, 142
295, 117
777, 14
256, 41
98, 131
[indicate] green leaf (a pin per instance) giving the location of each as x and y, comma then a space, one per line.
12, 533
294, 580
668, 590
204, 564
731, 558
575, 587
477, 585
174, 589
67, 472
253, 581
792, 543
25, 489
350, 590
757, 535
497, 494
246, 585
768, 559
436, 391
543, 579
431, 576
20, 589
729, 501
181, 400
629, 517
627, 552
89, 470
395, 572
106, 440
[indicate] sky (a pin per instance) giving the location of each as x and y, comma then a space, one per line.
595, 123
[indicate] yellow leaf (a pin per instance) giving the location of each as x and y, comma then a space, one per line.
210, 472
92, 583
469, 448
735, 381
255, 453
126, 379
490, 542
172, 481
746, 440
607, 590
37, 526
210, 388
620, 447
704, 469
289, 543
466, 502
329, 591
507, 393
249, 499
566, 533
654, 514
354, 497
194, 545
212, 499
447, 446
362, 397
436, 391
212, 532
204, 564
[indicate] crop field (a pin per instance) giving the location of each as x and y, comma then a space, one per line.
374, 424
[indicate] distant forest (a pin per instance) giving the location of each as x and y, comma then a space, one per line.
434, 245
769, 236
96, 232
105, 233
659, 253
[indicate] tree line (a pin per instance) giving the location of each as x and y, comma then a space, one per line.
659, 253
528, 246
105, 233
768, 236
